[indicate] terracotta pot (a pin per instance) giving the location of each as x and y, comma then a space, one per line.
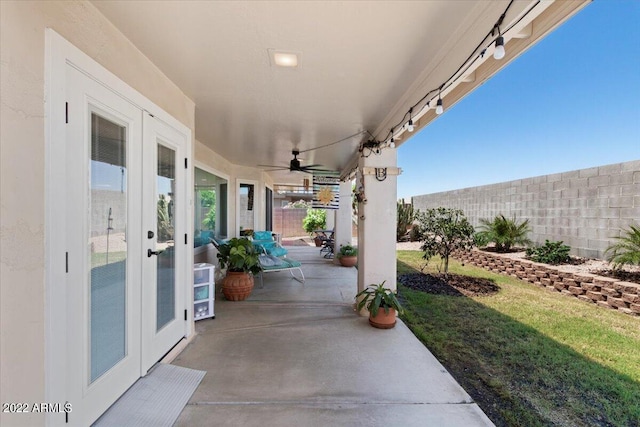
237, 286
383, 320
317, 241
348, 261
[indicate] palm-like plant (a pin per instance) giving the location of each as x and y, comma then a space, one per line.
376, 296
504, 232
626, 251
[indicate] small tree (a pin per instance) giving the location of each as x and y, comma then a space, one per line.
316, 219
444, 231
626, 250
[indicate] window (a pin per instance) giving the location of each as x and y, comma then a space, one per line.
210, 207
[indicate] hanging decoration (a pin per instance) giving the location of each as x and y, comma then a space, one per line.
326, 192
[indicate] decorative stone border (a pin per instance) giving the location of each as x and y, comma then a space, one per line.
603, 291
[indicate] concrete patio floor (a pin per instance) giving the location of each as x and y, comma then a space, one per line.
297, 354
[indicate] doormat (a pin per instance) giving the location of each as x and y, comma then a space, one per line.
155, 400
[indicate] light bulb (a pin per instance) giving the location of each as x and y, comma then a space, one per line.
499, 52
410, 126
392, 144
439, 107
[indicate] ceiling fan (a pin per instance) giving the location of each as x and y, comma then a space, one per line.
296, 166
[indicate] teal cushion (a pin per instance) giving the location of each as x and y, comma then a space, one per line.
277, 251
292, 263
262, 235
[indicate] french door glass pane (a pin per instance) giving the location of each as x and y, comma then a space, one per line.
166, 199
107, 246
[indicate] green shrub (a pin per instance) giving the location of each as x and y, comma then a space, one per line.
504, 232
550, 253
626, 251
316, 219
480, 240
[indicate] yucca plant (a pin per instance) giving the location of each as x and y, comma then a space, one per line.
504, 232
626, 251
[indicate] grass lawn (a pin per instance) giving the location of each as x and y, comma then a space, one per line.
529, 357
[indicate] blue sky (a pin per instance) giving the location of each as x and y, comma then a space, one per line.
572, 101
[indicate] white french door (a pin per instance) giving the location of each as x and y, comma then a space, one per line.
126, 213
165, 214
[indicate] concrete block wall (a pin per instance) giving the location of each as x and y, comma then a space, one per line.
585, 208
288, 222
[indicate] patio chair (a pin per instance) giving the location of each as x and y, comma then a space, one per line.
328, 244
271, 264
266, 244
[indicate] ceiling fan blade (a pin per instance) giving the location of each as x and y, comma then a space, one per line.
274, 166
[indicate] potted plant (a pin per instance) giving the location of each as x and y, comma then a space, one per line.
348, 256
240, 258
382, 305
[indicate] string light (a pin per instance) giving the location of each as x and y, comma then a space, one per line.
499, 52
439, 107
478, 52
410, 124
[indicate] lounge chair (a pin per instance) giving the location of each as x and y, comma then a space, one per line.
270, 264
265, 243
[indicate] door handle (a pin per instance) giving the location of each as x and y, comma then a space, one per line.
150, 252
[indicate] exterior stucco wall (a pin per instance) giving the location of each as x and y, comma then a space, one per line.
585, 208
22, 171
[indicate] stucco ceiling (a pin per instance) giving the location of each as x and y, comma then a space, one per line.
362, 65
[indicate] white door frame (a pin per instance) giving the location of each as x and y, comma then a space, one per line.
58, 53
256, 192
264, 204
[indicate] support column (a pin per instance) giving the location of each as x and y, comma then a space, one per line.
377, 220
331, 219
343, 218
